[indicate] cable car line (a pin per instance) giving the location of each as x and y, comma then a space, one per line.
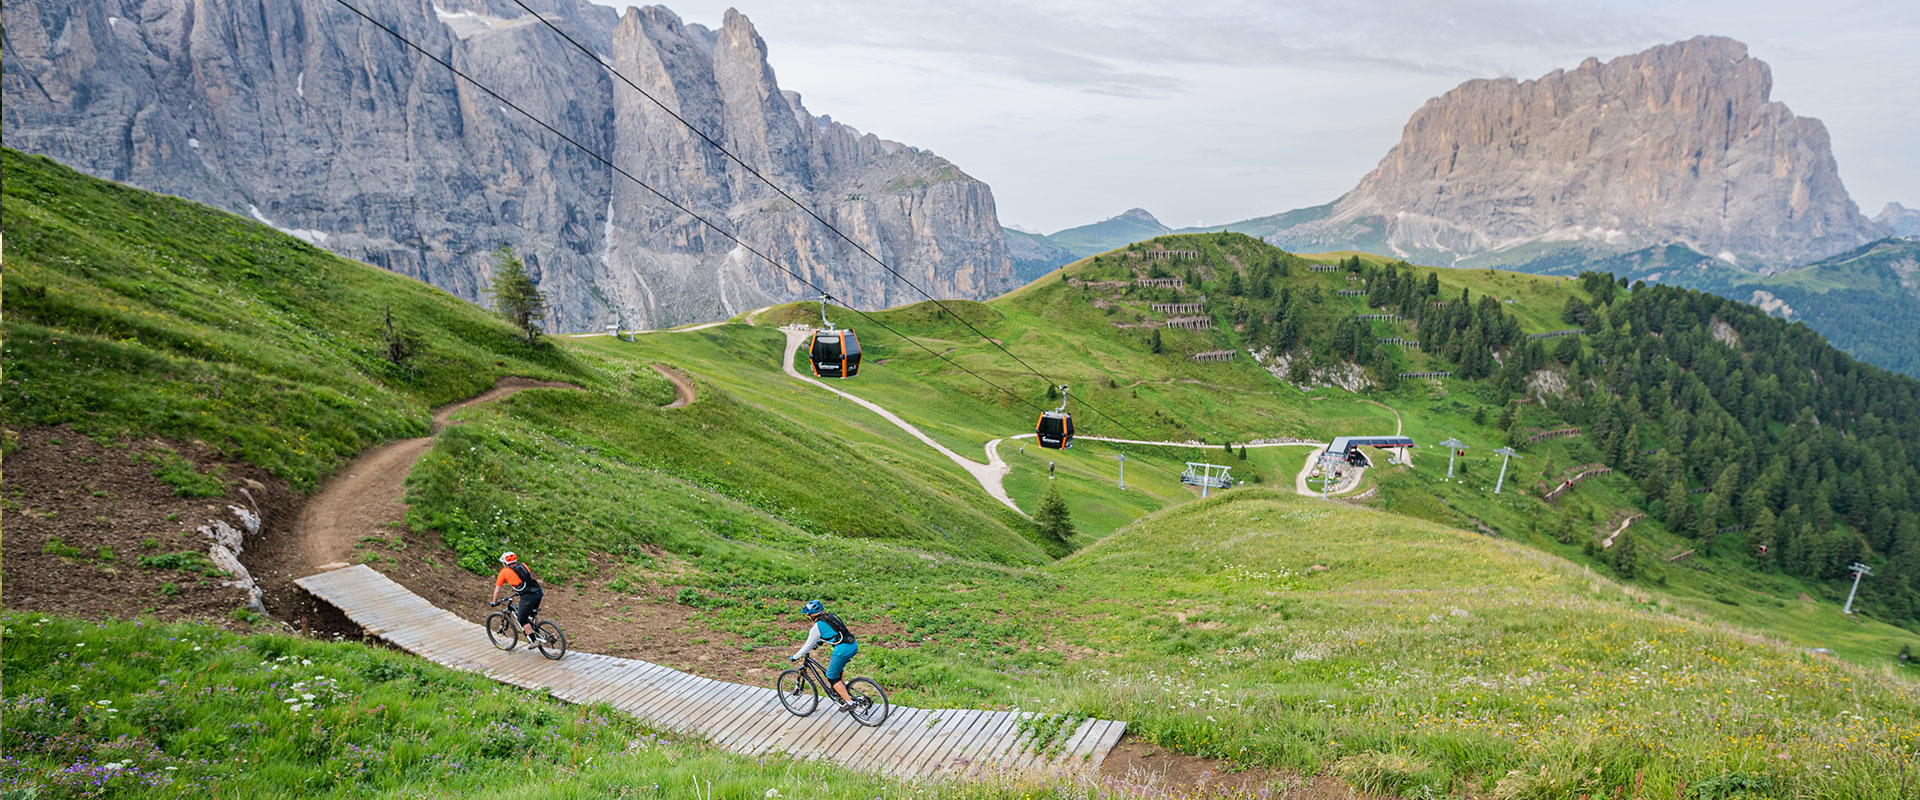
807, 208
668, 200
589, 152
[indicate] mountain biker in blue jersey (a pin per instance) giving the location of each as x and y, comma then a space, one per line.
827, 628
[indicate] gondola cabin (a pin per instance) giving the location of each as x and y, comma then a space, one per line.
834, 353
1055, 430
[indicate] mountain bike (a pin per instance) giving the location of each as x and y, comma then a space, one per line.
504, 631
800, 691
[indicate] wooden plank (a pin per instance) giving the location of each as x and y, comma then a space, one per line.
839, 732
1079, 746
618, 680
666, 692
687, 709
857, 740
639, 679
1001, 754
952, 725
736, 706
1071, 749
673, 694
887, 739
754, 723
962, 760
935, 757
904, 732
644, 691
1106, 744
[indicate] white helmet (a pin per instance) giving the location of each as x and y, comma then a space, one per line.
508, 557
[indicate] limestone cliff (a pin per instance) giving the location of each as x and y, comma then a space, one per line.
306, 117
1679, 144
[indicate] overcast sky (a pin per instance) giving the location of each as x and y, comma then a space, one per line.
1210, 112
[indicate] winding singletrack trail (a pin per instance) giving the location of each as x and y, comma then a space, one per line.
682, 386
368, 495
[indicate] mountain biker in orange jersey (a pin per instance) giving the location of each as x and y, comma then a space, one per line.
525, 586
827, 628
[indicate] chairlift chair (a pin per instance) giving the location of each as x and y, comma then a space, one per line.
833, 352
1054, 431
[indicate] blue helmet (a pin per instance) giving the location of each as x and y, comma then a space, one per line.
814, 607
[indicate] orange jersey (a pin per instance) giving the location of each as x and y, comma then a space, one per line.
507, 578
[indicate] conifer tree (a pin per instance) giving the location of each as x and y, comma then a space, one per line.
515, 296
1053, 516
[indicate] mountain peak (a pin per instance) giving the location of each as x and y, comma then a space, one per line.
1899, 220
1139, 215
1676, 144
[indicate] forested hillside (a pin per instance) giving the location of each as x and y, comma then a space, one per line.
1746, 435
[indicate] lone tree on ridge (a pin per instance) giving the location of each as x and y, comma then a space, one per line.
515, 295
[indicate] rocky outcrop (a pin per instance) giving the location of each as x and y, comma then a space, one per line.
1678, 144
306, 117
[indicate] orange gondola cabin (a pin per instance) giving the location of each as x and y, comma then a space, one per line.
1055, 430
834, 353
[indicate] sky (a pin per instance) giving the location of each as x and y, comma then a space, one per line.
1207, 112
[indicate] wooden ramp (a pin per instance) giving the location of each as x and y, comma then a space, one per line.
913, 743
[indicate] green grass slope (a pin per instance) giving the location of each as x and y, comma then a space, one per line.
1385, 645
143, 710
135, 314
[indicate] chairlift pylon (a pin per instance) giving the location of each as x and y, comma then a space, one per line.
833, 352
1054, 431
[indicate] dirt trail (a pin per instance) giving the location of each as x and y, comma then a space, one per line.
368, 496
682, 386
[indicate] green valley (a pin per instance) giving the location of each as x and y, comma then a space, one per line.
1417, 636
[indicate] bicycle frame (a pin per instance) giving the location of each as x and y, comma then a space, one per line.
817, 672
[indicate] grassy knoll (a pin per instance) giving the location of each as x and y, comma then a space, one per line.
1276, 629
141, 710
136, 314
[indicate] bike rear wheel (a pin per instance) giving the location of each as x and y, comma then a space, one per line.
797, 694
552, 642
870, 707
502, 632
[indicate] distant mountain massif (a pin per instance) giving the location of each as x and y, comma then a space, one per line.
302, 115
1669, 165
1679, 144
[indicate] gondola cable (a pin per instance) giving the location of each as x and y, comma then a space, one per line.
589, 152
807, 208
668, 200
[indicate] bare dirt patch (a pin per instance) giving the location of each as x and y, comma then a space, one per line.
81, 516
1144, 768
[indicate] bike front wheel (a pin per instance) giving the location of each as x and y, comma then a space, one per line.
502, 632
552, 642
870, 707
797, 694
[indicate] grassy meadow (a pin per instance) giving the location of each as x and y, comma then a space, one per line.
1430, 639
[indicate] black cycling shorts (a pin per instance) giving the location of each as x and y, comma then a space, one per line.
529, 605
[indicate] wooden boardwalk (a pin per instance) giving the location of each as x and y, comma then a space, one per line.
913, 743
